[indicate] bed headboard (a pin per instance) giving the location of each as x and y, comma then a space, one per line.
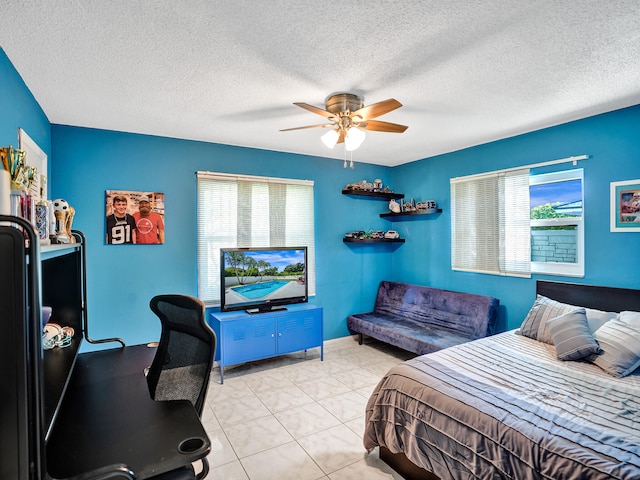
609, 299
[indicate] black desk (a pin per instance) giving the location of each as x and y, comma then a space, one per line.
107, 417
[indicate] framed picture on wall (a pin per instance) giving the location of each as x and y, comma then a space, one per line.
625, 206
36, 158
134, 217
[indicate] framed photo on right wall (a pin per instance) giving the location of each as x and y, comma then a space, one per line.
625, 206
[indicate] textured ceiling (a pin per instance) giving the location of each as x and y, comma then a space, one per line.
228, 71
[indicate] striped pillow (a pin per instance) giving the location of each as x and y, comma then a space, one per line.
572, 337
543, 309
620, 342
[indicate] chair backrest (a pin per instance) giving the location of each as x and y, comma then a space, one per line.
182, 365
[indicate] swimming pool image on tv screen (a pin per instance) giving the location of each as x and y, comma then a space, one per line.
264, 276
257, 290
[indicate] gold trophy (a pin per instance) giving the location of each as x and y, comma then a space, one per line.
64, 213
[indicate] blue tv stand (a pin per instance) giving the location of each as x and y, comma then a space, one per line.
244, 337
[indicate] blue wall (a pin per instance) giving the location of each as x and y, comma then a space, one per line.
20, 110
86, 162
123, 278
612, 142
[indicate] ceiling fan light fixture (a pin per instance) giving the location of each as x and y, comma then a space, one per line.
353, 139
330, 138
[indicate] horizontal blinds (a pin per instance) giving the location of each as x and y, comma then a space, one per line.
490, 223
250, 211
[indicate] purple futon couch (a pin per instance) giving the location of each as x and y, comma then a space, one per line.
423, 319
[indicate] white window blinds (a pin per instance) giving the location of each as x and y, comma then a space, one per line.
248, 211
490, 223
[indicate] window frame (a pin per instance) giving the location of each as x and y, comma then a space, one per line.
562, 268
247, 222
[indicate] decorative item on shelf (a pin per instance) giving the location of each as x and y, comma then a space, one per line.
361, 234
409, 206
428, 205
391, 234
355, 234
64, 214
362, 185
394, 206
5, 192
53, 335
46, 314
365, 186
13, 161
42, 222
21, 177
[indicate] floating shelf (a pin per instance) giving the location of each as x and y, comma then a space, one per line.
380, 195
406, 214
373, 240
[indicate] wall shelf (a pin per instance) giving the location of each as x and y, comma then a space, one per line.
390, 215
379, 195
373, 240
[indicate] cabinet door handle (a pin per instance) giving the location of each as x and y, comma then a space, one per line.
279, 334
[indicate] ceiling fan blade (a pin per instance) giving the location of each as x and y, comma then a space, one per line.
378, 126
308, 126
313, 109
376, 109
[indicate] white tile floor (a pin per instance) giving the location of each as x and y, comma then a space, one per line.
297, 418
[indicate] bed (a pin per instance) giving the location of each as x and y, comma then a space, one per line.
506, 407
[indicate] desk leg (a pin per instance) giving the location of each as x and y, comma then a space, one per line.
322, 352
221, 375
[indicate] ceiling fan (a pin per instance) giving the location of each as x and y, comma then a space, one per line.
349, 117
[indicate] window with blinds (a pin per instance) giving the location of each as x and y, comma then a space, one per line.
490, 229
250, 211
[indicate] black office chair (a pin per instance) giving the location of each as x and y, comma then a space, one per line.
182, 364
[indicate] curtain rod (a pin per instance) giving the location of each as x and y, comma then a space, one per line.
573, 159
251, 178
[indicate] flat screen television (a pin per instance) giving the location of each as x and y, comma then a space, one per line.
262, 279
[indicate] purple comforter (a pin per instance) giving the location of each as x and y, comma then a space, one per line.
505, 407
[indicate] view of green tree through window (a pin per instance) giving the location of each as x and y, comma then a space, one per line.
556, 202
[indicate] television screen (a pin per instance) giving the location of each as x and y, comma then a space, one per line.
262, 279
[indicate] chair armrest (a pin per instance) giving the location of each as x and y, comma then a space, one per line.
117, 471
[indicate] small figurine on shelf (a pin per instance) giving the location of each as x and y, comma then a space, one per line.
362, 186
64, 214
428, 205
377, 185
394, 206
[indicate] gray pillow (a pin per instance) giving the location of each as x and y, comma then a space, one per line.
620, 342
597, 318
543, 309
572, 336
630, 318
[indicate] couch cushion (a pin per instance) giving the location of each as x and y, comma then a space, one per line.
473, 316
414, 336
